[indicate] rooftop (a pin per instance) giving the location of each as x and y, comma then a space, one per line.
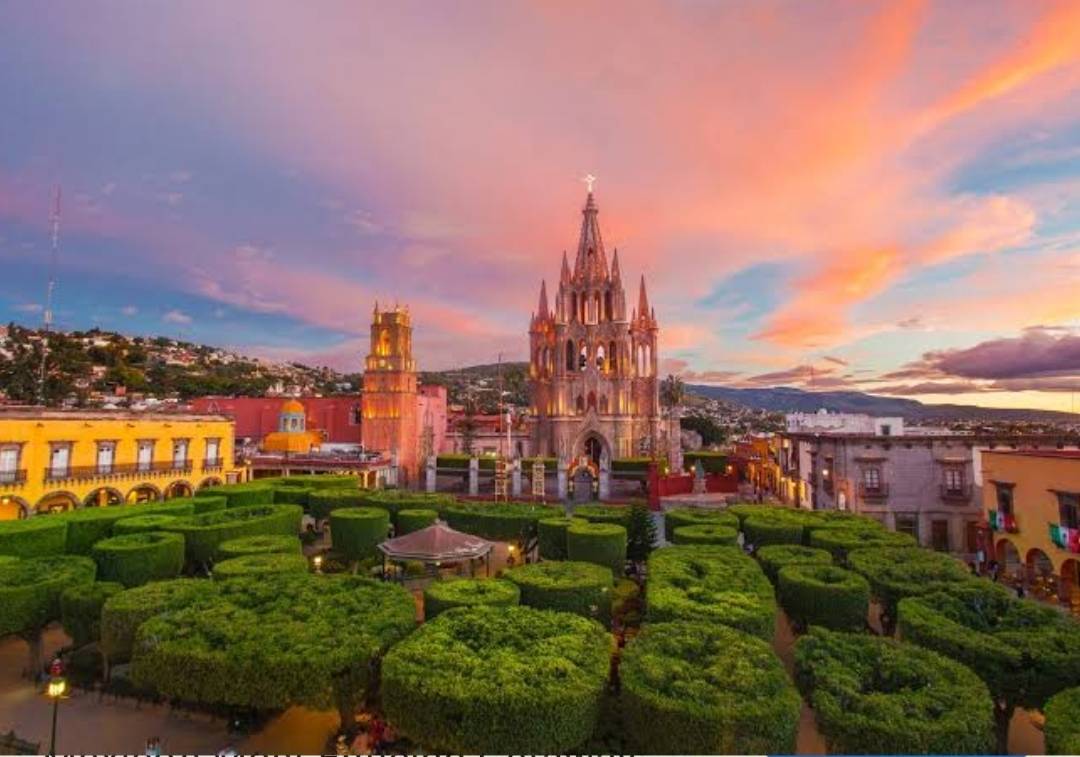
32, 413
1066, 454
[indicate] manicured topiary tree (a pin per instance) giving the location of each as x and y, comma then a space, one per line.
498, 680
299, 639
266, 565
1024, 651
641, 533
512, 522
414, 520
469, 592
695, 688
744, 510
200, 503
396, 500
321, 502
123, 613
80, 610
241, 495
551, 536
898, 572
203, 534
259, 545
710, 584
30, 595
775, 556
823, 595
872, 695
579, 587
761, 531
142, 523
291, 494
89, 525
39, 536
135, 559
705, 533
600, 543
697, 516
839, 541
1063, 722
357, 531
617, 514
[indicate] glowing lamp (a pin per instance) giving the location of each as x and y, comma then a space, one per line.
57, 688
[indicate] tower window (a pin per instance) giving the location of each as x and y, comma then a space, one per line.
613, 362
569, 354
600, 357
608, 313
583, 359
580, 404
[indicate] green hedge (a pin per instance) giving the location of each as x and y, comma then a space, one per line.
414, 520
204, 533
30, 589
38, 536
617, 514
396, 500
840, 541
258, 545
498, 680
1063, 722
356, 531
241, 495
299, 639
265, 564
744, 510
636, 465
200, 503
512, 521
696, 516
1025, 652
898, 572
88, 526
873, 695
824, 595
123, 613
579, 587
136, 559
712, 462
777, 556
710, 584
694, 688
457, 461
550, 464
322, 502
600, 543
80, 610
468, 592
294, 494
314, 481
551, 535
142, 523
761, 532
704, 533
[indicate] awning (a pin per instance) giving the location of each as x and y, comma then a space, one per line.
436, 543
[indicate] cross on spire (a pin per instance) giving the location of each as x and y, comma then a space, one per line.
589, 180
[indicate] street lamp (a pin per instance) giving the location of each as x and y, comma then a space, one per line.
57, 690
317, 562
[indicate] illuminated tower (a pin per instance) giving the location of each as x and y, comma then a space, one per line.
389, 396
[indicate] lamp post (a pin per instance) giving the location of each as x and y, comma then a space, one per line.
56, 691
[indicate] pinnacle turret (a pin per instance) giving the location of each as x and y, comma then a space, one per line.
643, 308
616, 274
564, 274
591, 260
542, 308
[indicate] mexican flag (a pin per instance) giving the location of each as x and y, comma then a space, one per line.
997, 521
1059, 535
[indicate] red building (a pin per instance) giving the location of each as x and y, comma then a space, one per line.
336, 418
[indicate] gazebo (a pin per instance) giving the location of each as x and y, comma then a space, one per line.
435, 546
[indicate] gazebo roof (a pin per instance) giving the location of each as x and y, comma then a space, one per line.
436, 543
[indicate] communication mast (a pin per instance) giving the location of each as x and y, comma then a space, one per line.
48, 314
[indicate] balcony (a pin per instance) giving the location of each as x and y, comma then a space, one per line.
958, 494
878, 492
116, 471
213, 464
1002, 522
11, 479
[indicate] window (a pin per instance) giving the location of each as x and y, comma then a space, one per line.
827, 475
908, 524
939, 535
872, 478
355, 414
613, 363
179, 456
213, 448
106, 452
954, 480
583, 360
580, 404
1069, 509
569, 355
60, 460
9, 464
886, 429
1004, 498
145, 459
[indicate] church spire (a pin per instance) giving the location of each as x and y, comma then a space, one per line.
564, 274
591, 261
616, 274
542, 308
643, 308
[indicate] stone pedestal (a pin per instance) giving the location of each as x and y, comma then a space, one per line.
605, 482
474, 476
429, 474
515, 478
562, 480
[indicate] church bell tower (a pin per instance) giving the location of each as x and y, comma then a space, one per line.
389, 399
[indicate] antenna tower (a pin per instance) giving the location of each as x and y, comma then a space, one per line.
47, 313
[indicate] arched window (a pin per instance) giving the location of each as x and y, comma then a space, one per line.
583, 360
580, 404
613, 357
592, 400
647, 364
603, 404
596, 307
569, 354
545, 361
608, 315
573, 306
600, 357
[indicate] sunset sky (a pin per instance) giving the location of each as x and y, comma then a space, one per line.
882, 196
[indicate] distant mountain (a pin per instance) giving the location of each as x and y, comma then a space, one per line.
790, 400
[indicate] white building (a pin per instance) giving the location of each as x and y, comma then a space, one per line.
844, 423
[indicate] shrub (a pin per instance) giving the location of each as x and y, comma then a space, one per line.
292, 494
551, 534
204, 533
762, 531
315, 481
357, 531
705, 534
840, 540
200, 503
711, 584
135, 559
638, 465
88, 526
578, 587
258, 545
456, 461
468, 592
396, 500
265, 564
600, 543
30, 589
322, 502
141, 524
696, 516
898, 572
744, 510
38, 536
1063, 722
1025, 652
80, 610
299, 639
774, 557
712, 462
241, 495
617, 514
123, 613
694, 688
875, 695
498, 680
640, 533
511, 521
824, 595
414, 520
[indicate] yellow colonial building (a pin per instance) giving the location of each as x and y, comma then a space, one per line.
60, 459
1032, 503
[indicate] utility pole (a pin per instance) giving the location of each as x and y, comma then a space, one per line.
48, 315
